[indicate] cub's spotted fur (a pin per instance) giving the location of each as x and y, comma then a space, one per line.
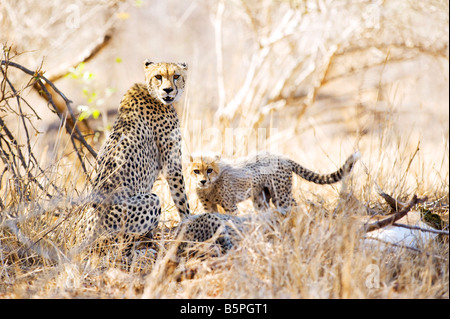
261, 178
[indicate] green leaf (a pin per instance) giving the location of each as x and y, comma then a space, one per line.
87, 76
92, 97
80, 67
110, 91
84, 115
95, 114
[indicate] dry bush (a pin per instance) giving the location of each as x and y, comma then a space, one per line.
314, 80
62, 33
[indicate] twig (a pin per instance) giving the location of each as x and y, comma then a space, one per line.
40, 77
72, 130
435, 231
87, 55
31, 156
79, 136
395, 204
392, 219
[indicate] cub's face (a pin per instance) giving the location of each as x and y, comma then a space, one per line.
204, 170
165, 81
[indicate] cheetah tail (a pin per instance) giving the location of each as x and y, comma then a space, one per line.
326, 178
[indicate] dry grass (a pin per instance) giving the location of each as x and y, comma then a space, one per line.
296, 79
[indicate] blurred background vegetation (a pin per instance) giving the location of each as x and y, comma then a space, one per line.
322, 78
312, 79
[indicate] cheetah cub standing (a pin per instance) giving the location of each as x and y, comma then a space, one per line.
261, 178
144, 142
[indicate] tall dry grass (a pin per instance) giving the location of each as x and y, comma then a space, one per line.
314, 80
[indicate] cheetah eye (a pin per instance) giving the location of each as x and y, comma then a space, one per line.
176, 76
209, 170
158, 77
196, 171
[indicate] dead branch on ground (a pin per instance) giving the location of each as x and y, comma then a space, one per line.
397, 205
396, 216
434, 231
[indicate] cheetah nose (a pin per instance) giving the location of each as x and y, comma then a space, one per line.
203, 182
168, 90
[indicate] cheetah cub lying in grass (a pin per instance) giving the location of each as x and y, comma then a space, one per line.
262, 178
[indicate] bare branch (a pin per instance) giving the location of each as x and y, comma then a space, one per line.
71, 129
435, 231
79, 136
395, 204
392, 219
85, 56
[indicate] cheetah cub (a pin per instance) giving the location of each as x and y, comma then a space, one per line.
261, 178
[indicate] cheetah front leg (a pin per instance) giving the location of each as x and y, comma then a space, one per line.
178, 192
172, 171
230, 208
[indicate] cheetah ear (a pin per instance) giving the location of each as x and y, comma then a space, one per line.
147, 62
191, 158
216, 157
183, 65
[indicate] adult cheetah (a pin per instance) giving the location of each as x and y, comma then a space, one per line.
145, 141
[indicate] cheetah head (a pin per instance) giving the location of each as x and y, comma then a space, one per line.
204, 170
165, 81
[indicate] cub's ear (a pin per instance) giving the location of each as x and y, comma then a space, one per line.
191, 158
183, 65
217, 157
147, 62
